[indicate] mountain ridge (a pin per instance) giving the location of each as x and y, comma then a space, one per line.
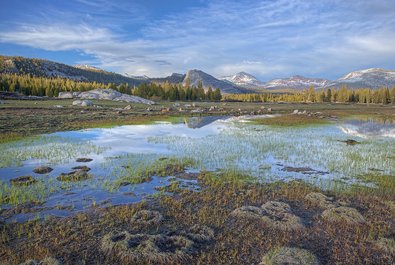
241, 82
45, 68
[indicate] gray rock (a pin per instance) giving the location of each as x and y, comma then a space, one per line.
65, 95
295, 111
77, 103
128, 107
110, 94
82, 103
86, 103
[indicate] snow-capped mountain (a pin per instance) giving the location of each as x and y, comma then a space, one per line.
368, 78
296, 82
243, 79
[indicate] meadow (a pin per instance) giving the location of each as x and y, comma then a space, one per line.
233, 184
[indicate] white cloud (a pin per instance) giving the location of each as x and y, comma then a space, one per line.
267, 38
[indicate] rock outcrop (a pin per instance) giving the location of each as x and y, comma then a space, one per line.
105, 94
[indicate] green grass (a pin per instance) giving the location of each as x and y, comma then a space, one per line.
134, 173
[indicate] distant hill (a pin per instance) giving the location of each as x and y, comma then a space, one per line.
195, 76
45, 68
368, 78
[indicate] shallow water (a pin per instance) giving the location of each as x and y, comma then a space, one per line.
314, 153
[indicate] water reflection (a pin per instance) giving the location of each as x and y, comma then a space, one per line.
199, 122
369, 128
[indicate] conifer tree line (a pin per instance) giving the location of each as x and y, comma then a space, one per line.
50, 87
363, 95
43, 86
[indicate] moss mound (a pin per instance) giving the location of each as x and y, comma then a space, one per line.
249, 212
45, 261
343, 214
385, 245
274, 213
23, 181
391, 206
147, 217
42, 170
319, 200
140, 248
200, 233
278, 215
289, 256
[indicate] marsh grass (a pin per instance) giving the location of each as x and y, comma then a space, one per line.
10, 137
15, 195
291, 120
52, 149
136, 171
252, 148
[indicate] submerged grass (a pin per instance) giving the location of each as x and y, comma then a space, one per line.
16, 195
136, 173
53, 149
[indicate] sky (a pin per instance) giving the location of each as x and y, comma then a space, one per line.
269, 39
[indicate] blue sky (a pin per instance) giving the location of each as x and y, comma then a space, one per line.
269, 39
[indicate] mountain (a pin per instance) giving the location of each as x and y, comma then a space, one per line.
45, 68
195, 76
244, 79
368, 78
296, 82
173, 78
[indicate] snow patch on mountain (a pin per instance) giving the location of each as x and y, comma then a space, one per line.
243, 79
369, 78
296, 82
87, 67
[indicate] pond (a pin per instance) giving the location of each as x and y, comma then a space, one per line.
317, 154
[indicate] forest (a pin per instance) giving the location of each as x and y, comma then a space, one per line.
363, 95
50, 87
